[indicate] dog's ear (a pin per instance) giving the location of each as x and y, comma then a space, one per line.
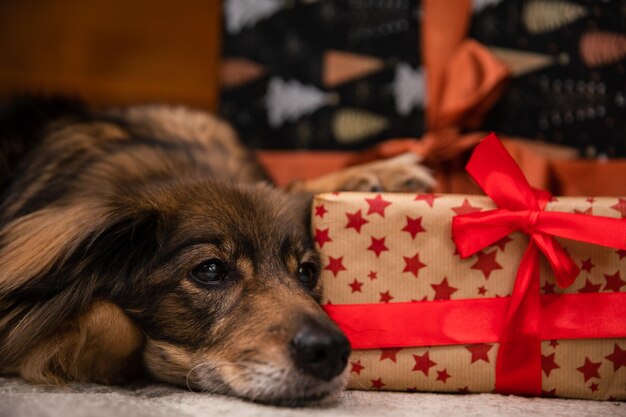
73, 260
125, 248
302, 204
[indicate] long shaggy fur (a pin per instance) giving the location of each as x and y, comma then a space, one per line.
72, 223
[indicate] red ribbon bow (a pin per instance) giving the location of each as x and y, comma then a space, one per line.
521, 207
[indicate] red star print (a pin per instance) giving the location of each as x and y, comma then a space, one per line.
548, 364
443, 291
501, 244
356, 367
554, 343
413, 226
373, 275
356, 286
586, 265
335, 265
621, 253
588, 211
465, 208
385, 297
613, 282
591, 200
320, 211
618, 357
589, 369
486, 263
621, 207
549, 394
377, 246
355, 221
443, 375
428, 198
377, 205
482, 290
378, 383
413, 264
593, 387
479, 352
590, 287
464, 390
548, 288
389, 354
321, 237
423, 363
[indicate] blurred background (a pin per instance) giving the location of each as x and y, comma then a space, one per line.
112, 52
339, 78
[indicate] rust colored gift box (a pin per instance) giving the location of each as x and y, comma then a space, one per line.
508, 308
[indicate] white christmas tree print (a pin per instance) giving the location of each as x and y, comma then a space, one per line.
541, 16
353, 125
242, 13
409, 88
290, 100
522, 62
479, 5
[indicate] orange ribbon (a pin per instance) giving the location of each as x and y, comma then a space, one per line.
463, 81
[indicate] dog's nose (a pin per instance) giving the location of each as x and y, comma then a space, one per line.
320, 352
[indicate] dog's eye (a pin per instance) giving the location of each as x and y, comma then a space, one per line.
307, 274
211, 272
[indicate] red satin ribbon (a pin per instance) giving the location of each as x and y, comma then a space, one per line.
518, 322
518, 368
445, 322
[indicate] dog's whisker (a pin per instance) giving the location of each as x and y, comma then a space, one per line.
216, 364
190, 372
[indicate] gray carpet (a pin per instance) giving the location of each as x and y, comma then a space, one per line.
22, 400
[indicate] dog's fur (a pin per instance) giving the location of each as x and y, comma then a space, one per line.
103, 217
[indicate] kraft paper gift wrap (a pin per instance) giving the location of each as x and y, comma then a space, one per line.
397, 248
453, 293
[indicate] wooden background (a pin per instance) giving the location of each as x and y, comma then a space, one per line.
112, 51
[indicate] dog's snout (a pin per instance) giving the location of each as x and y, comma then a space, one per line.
319, 352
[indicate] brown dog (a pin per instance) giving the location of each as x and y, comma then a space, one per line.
149, 238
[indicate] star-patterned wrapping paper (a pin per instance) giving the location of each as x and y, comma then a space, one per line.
390, 248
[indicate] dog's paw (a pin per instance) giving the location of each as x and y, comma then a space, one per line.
403, 173
101, 345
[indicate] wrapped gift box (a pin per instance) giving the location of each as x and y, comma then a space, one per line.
423, 319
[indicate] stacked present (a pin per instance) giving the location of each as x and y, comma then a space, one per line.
517, 292
350, 76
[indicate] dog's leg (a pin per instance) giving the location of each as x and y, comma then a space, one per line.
100, 345
402, 173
